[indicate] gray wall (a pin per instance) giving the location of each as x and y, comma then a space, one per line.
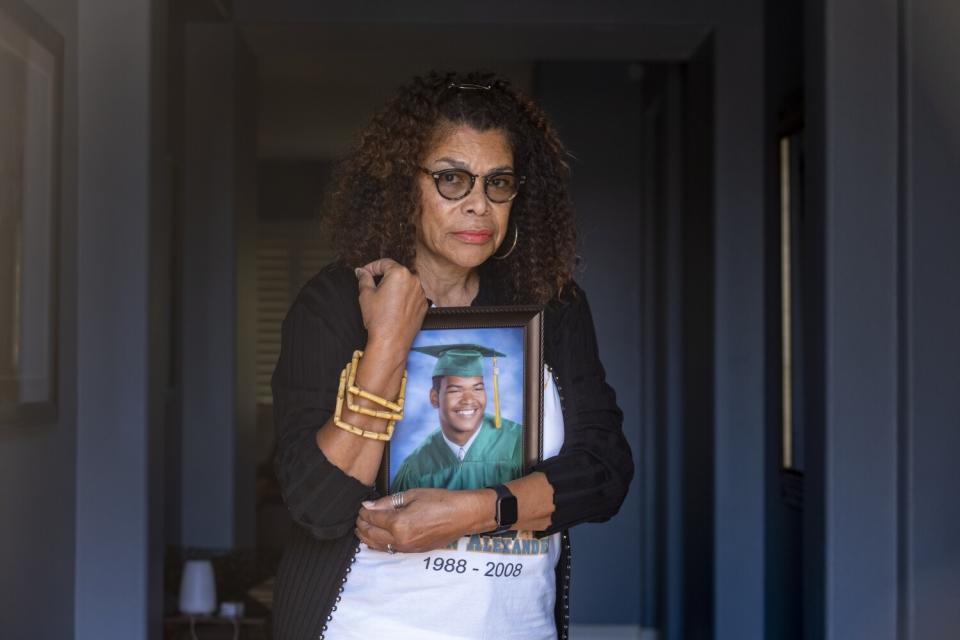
117, 551
218, 391
38, 462
930, 282
598, 122
739, 401
886, 134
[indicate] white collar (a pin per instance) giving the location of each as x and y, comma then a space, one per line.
456, 447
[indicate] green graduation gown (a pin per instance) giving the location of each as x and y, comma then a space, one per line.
495, 457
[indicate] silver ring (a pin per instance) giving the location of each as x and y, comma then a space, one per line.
397, 500
390, 548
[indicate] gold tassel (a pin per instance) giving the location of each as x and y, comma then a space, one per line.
496, 395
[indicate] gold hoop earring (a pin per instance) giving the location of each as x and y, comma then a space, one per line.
516, 234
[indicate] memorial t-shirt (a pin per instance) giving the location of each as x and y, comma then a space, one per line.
480, 587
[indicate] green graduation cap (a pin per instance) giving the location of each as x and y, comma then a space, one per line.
466, 360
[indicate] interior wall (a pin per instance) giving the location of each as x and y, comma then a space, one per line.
739, 341
930, 270
218, 394
299, 119
661, 450
814, 553
854, 118
598, 121
694, 615
245, 218
116, 470
159, 312
38, 462
887, 518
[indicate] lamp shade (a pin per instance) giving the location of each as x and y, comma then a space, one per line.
198, 591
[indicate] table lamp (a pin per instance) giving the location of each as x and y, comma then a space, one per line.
198, 591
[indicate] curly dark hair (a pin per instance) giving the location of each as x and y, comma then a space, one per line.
375, 203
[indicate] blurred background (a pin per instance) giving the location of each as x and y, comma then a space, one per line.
765, 193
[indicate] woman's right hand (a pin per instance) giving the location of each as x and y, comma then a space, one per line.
393, 310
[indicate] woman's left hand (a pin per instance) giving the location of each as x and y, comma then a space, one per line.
429, 519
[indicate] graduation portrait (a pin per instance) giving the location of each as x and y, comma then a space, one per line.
473, 400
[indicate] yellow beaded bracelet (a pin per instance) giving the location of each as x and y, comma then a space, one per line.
355, 430
349, 373
395, 412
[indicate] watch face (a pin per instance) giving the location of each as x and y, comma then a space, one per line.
507, 510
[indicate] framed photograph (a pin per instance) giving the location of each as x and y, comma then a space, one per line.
31, 63
474, 401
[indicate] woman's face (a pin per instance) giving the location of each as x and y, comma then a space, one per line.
457, 234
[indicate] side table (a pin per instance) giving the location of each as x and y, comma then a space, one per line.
182, 627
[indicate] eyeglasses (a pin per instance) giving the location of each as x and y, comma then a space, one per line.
456, 184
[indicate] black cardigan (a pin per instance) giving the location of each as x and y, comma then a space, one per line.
590, 475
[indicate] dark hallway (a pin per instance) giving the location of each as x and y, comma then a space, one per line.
764, 194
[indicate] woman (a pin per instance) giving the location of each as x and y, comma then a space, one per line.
457, 196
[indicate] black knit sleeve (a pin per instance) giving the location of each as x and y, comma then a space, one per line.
591, 474
319, 334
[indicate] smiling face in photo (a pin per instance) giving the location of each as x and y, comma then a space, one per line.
460, 402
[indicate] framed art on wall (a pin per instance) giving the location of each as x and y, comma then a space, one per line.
31, 63
474, 401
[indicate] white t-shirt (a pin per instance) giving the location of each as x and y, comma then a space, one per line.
486, 587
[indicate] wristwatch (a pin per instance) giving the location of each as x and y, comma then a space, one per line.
506, 510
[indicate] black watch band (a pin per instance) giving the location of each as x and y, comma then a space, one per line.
506, 513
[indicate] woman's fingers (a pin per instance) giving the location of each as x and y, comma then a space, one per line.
381, 519
388, 269
380, 267
374, 524
365, 278
381, 504
375, 537
388, 526
427, 520
363, 538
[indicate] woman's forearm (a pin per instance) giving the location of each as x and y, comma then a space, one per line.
380, 372
534, 505
432, 518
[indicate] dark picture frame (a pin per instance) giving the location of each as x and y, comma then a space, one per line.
31, 81
516, 325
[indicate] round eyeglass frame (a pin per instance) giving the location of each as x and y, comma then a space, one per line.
473, 182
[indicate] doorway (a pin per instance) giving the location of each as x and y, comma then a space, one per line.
639, 133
